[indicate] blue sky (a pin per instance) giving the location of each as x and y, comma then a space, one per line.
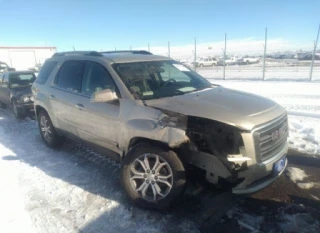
95, 24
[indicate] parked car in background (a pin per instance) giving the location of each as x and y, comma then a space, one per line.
36, 68
230, 61
15, 91
308, 56
203, 62
250, 60
162, 121
4, 67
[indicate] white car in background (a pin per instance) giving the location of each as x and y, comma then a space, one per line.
207, 62
250, 60
233, 61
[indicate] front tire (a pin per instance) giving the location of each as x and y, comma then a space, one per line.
152, 176
47, 131
2, 105
18, 113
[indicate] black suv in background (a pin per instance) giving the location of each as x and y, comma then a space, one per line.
15, 91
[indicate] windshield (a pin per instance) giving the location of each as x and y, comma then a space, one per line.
20, 80
158, 79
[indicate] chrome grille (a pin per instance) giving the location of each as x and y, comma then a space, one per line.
271, 138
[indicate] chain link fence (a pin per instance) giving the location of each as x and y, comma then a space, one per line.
249, 58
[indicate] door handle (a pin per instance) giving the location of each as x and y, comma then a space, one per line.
52, 97
79, 106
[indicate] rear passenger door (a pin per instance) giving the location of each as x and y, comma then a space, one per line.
99, 123
64, 95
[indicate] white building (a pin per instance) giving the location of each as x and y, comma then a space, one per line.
23, 58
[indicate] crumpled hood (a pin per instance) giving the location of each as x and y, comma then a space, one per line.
237, 108
21, 91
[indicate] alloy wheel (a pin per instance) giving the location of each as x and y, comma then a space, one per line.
45, 128
151, 176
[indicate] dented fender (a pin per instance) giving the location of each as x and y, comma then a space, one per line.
148, 122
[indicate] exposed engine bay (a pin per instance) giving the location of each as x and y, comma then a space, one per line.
212, 145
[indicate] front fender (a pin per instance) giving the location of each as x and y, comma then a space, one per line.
144, 122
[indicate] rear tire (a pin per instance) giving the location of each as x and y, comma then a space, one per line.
157, 183
47, 131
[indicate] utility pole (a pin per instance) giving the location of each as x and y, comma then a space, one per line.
264, 55
224, 56
195, 54
314, 53
168, 48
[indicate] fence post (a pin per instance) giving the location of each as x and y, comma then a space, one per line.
195, 54
313, 54
224, 56
264, 55
168, 48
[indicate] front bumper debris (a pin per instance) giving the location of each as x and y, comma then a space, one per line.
260, 175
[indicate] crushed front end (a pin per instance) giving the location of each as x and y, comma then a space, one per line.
248, 160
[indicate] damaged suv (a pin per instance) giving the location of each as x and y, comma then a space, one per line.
162, 121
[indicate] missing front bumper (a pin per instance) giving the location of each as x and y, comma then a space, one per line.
260, 175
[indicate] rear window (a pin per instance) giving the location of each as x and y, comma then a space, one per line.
45, 71
21, 79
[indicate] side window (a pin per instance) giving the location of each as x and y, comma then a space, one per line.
96, 78
45, 71
70, 76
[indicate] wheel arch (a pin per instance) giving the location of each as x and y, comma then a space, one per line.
139, 140
39, 108
136, 141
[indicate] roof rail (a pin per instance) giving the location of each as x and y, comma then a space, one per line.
144, 52
72, 53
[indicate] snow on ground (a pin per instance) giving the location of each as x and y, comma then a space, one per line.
255, 73
296, 174
299, 176
60, 191
304, 134
308, 185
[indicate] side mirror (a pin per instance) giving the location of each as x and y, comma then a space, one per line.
103, 96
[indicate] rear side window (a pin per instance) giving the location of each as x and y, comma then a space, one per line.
70, 76
45, 71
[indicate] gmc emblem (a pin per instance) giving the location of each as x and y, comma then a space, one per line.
278, 133
275, 135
